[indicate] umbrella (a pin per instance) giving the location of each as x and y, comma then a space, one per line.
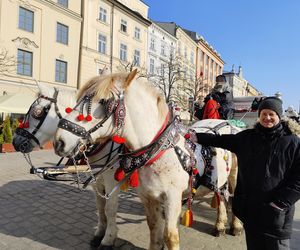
18, 103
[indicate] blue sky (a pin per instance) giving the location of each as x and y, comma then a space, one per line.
263, 36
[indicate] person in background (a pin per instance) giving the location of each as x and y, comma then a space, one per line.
268, 183
292, 113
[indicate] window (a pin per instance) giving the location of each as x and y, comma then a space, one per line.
179, 48
163, 49
151, 70
61, 71
24, 63
185, 72
137, 58
123, 52
102, 44
124, 26
64, 3
103, 15
137, 33
192, 57
172, 51
62, 33
162, 70
25, 19
152, 44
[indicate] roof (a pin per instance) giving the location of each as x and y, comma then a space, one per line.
170, 27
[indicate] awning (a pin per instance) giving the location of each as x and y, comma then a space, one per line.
18, 103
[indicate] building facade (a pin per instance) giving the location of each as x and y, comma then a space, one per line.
115, 34
161, 46
240, 86
40, 40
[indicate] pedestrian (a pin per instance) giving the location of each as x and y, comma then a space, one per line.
268, 183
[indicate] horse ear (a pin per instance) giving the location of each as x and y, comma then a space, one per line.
105, 71
130, 77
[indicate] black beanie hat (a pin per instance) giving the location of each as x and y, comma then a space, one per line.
272, 103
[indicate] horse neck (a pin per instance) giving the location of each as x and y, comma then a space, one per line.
143, 119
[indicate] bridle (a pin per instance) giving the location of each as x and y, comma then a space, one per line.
112, 106
40, 115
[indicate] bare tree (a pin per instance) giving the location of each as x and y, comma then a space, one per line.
194, 87
7, 62
129, 66
167, 77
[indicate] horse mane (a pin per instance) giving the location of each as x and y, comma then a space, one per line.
103, 86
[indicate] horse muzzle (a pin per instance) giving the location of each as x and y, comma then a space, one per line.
22, 144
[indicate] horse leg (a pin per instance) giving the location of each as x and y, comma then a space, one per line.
221, 222
236, 227
172, 212
154, 214
100, 204
111, 208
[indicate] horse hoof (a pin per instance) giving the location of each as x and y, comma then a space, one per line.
218, 233
102, 247
235, 231
95, 242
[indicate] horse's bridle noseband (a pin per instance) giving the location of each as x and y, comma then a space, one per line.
31, 135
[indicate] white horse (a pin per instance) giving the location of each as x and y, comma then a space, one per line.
123, 106
219, 175
51, 105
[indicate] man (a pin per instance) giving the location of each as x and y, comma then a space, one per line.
268, 182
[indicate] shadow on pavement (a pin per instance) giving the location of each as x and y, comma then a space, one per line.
54, 214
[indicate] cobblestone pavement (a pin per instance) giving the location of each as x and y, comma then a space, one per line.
38, 214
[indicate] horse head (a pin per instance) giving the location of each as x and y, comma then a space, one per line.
97, 114
40, 122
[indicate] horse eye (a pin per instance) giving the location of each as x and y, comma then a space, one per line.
37, 112
102, 101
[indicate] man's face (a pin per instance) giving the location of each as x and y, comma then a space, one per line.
268, 118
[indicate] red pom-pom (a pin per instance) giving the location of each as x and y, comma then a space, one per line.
21, 125
68, 110
119, 174
26, 125
195, 171
88, 118
134, 179
80, 117
187, 136
118, 139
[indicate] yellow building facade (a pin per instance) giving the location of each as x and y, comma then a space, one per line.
41, 43
114, 36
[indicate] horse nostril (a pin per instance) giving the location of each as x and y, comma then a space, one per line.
59, 145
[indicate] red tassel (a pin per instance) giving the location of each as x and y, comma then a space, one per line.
187, 136
68, 110
80, 117
118, 139
88, 118
21, 125
26, 125
134, 179
119, 174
